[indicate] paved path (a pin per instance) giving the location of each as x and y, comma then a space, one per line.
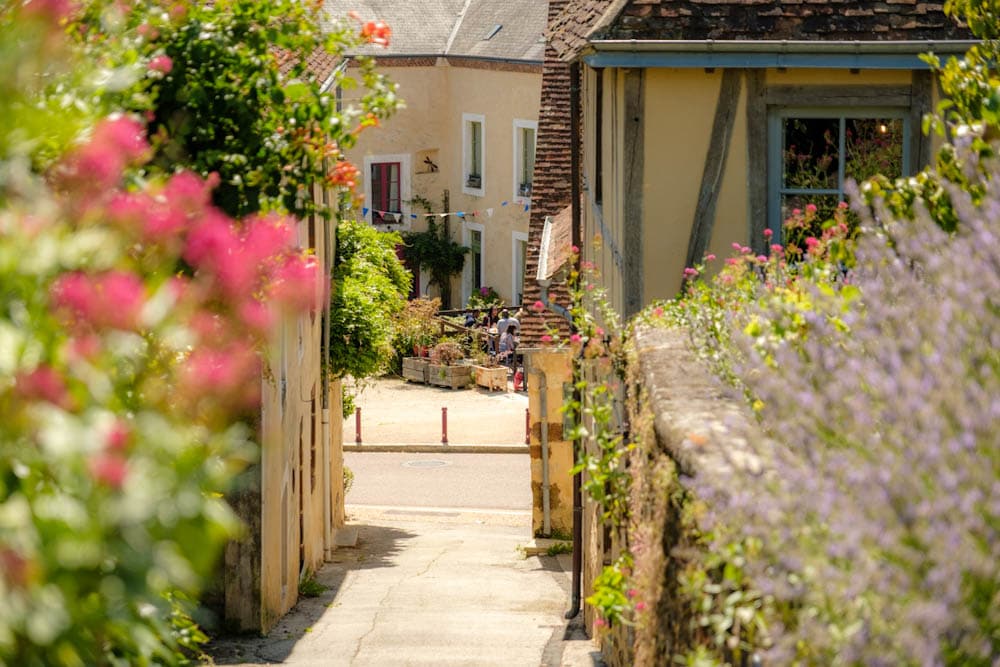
395, 412
437, 577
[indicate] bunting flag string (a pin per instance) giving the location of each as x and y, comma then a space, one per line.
395, 217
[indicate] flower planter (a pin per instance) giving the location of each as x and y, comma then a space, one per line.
415, 369
491, 377
453, 377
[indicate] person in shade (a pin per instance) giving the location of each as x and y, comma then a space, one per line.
508, 347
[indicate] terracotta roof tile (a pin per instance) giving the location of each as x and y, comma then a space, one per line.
831, 20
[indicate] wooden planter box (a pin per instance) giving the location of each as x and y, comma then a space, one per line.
491, 377
453, 377
415, 369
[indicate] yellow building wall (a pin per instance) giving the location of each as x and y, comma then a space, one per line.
679, 110
556, 366
431, 125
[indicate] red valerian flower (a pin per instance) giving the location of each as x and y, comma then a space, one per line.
109, 469
376, 32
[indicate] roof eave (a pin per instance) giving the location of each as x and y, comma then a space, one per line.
902, 54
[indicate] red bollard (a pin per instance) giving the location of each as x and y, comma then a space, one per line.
527, 427
444, 426
357, 425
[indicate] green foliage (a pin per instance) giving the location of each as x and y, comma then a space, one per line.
414, 326
348, 480
309, 587
559, 548
369, 291
484, 298
224, 106
611, 592
968, 117
434, 251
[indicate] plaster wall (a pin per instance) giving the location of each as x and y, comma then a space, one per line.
431, 126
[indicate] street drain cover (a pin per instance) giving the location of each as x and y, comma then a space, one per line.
425, 463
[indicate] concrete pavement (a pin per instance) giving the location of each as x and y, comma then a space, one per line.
422, 587
439, 574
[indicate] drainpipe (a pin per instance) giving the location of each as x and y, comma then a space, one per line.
325, 390
574, 156
544, 437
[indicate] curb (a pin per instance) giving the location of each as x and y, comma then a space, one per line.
439, 449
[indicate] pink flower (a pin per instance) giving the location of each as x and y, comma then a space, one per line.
689, 272
745, 250
796, 211
576, 250
161, 63
189, 191
118, 437
658, 312
124, 134
768, 233
732, 261
575, 338
631, 592
762, 259
297, 283
810, 208
256, 316
709, 257
45, 384
538, 306
776, 247
640, 606
737, 246
109, 469
122, 295
842, 205
600, 622
546, 338
599, 331
812, 242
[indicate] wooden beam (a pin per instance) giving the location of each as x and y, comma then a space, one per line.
756, 159
839, 96
633, 181
922, 95
715, 166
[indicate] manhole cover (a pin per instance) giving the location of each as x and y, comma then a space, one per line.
426, 463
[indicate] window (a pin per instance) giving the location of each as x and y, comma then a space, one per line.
475, 271
385, 200
812, 153
387, 190
519, 261
474, 154
525, 132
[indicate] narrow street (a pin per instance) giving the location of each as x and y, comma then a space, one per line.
438, 575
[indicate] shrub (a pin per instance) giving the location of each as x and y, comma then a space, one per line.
446, 353
879, 523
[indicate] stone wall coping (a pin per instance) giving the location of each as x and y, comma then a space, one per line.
699, 422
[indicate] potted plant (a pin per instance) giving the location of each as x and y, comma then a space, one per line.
415, 330
488, 372
445, 369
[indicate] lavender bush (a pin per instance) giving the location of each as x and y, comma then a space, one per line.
880, 514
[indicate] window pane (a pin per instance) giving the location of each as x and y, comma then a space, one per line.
475, 147
873, 146
528, 155
809, 153
476, 245
795, 209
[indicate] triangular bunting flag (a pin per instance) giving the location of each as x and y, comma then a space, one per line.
503, 203
460, 214
489, 212
364, 211
527, 206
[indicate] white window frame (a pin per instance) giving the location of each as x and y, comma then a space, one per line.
521, 124
467, 229
515, 238
467, 120
405, 195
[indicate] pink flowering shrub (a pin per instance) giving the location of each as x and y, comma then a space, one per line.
131, 327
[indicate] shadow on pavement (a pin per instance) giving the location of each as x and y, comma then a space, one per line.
377, 547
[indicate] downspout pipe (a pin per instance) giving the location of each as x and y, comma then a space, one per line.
577, 234
543, 436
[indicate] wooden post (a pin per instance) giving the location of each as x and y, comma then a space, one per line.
357, 425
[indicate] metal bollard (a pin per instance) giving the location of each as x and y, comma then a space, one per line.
357, 425
527, 426
444, 426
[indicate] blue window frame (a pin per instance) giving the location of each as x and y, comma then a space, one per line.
813, 151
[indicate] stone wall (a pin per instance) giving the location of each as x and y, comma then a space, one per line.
685, 425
